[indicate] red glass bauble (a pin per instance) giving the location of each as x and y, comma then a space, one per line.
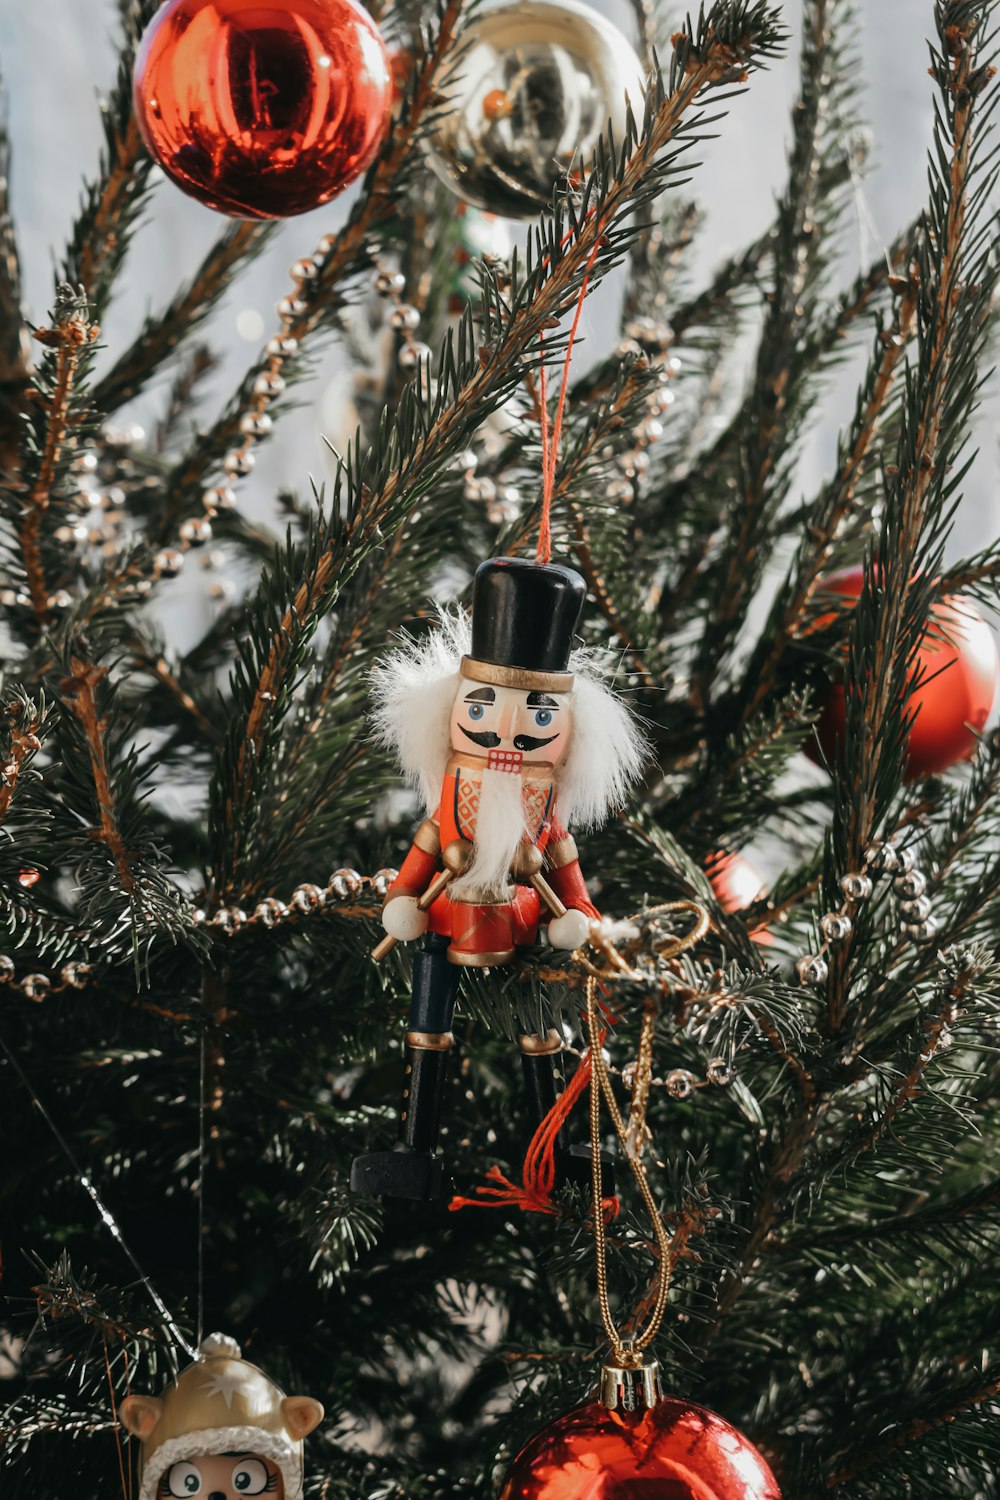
674, 1452
737, 885
958, 663
262, 110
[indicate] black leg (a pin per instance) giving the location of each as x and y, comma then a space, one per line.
413, 1170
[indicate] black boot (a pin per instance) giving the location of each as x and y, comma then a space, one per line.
541, 1062
413, 1170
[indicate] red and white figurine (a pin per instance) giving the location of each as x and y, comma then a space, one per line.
511, 738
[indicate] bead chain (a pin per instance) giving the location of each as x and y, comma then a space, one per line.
679, 1083
909, 885
343, 885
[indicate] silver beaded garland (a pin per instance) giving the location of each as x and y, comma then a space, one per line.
812, 969
719, 1071
36, 986
381, 881
345, 883
196, 531
679, 1083
404, 316
836, 926
76, 975
270, 911
307, 897
910, 885
414, 354
856, 886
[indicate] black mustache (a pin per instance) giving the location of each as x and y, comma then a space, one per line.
485, 737
490, 741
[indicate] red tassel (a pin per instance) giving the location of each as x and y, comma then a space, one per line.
534, 1194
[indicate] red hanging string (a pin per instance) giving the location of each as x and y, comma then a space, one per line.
538, 1175
551, 439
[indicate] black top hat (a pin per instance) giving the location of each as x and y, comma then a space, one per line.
525, 614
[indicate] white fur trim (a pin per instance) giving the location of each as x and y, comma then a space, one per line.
412, 693
280, 1450
413, 690
607, 750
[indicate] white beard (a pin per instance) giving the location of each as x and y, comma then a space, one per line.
500, 827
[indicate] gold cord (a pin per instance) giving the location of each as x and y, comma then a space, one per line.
632, 1136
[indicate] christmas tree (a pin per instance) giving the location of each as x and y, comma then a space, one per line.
196, 1046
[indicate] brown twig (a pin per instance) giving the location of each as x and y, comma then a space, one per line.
79, 693
99, 247
936, 1029
880, 682
839, 498
23, 743
912, 1433
69, 338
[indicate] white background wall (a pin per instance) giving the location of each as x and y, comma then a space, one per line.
57, 55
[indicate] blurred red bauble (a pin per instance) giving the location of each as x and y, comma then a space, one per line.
674, 1452
737, 885
957, 661
734, 880
262, 110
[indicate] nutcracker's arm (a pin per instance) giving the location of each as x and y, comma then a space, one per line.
421, 864
570, 929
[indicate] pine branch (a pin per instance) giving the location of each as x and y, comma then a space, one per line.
917, 1430
20, 743
955, 282
798, 256
161, 336
14, 347
789, 618
69, 338
113, 202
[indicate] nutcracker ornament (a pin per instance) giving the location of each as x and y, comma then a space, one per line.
511, 738
222, 1430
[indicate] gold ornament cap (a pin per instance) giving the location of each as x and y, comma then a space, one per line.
220, 1404
631, 1383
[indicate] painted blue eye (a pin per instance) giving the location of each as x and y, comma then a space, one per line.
543, 718
476, 710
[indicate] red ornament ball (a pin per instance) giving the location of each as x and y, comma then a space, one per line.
673, 1452
262, 110
957, 660
734, 880
737, 885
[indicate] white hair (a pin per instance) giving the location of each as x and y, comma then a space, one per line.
414, 687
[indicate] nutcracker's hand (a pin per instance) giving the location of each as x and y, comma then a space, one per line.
403, 919
569, 931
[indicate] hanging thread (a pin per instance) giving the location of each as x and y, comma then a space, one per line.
107, 1217
552, 437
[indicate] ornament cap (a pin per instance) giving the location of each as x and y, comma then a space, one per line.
631, 1384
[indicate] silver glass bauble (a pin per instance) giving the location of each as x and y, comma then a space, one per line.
531, 94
